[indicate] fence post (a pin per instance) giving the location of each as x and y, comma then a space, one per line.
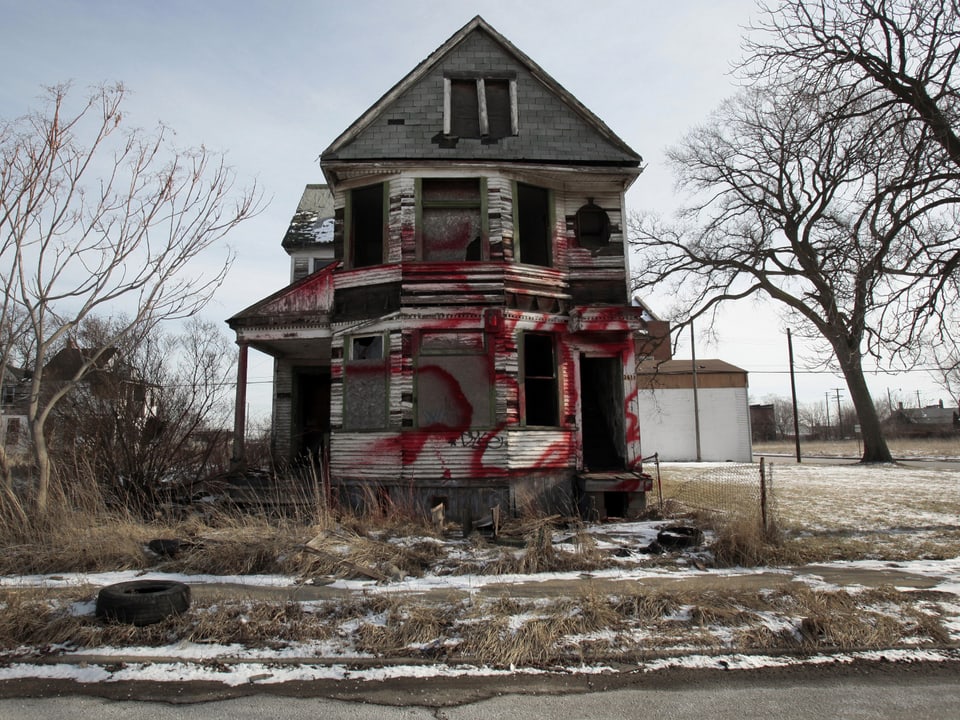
763, 498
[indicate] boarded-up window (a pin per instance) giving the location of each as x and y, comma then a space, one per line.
492, 119
365, 384
451, 220
367, 225
464, 109
454, 381
540, 380
301, 268
533, 225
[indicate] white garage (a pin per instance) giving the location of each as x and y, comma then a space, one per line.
675, 399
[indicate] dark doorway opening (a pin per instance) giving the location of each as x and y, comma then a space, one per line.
311, 412
602, 414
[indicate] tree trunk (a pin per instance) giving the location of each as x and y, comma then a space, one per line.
41, 456
875, 448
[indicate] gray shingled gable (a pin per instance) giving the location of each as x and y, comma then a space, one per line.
554, 127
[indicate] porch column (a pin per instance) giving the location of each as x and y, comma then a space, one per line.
240, 410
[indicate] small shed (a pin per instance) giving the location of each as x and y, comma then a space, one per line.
675, 398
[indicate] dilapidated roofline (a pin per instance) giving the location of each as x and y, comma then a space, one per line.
477, 24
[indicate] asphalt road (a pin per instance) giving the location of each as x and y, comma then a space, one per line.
916, 691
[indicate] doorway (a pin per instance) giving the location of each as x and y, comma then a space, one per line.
602, 422
311, 413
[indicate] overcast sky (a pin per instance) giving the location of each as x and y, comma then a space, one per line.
273, 83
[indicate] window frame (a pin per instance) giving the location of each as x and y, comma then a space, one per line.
482, 109
481, 204
350, 241
383, 363
485, 351
554, 378
551, 220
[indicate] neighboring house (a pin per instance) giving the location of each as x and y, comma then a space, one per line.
470, 340
14, 395
674, 400
110, 390
930, 421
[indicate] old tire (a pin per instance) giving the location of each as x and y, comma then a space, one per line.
142, 602
680, 536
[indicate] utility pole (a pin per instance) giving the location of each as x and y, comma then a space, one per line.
696, 400
918, 400
793, 391
839, 414
826, 403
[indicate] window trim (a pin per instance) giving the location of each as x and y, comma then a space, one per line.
484, 119
555, 377
383, 362
482, 205
551, 223
486, 352
349, 241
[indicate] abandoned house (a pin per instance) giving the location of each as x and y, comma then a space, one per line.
458, 328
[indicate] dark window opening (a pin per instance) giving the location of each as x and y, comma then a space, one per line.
593, 227
367, 226
533, 225
454, 385
9, 394
367, 348
540, 380
451, 220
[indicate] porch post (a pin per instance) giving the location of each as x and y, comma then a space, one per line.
240, 410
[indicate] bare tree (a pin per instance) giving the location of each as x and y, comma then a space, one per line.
93, 215
826, 213
897, 61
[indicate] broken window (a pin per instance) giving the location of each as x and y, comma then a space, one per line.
480, 108
540, 380
9, 394
451, 220
592, 227
367, 224
365, 384
532, 224
454, 381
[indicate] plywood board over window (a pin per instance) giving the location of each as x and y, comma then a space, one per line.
452, 220
480, 107
365, 386
454, 387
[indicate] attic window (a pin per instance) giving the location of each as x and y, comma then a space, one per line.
480, 107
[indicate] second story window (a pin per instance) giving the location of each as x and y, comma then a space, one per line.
480, 107
367, 225
452, 221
